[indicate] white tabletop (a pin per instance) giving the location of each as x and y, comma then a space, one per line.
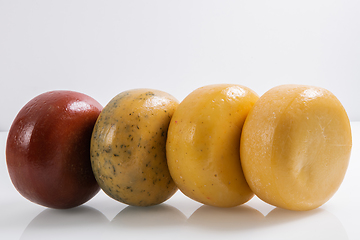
180, 217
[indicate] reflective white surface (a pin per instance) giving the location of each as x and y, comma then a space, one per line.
180, 217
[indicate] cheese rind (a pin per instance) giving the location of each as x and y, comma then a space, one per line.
128, 147
295, 146
204, 141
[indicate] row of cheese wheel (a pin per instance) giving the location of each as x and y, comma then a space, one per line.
221, 145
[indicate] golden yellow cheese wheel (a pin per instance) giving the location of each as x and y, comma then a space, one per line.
204, 141
295, 146
128, 147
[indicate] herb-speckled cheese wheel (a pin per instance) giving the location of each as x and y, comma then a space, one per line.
128, 147
295, 146
204, 141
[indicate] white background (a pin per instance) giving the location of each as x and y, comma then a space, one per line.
102, 48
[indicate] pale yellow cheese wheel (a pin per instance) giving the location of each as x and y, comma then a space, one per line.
295, 146
204, 141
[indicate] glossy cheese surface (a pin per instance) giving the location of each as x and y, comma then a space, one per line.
128, 147
295, 146
203, 144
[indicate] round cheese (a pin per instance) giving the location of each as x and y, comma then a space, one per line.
295, 146
204, 141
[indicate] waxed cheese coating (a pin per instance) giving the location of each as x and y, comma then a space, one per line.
128, 153
295, 146
203, 144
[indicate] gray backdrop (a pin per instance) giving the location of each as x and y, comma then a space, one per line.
102, 48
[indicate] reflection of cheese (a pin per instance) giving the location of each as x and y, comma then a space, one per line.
295, 146
203, 144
